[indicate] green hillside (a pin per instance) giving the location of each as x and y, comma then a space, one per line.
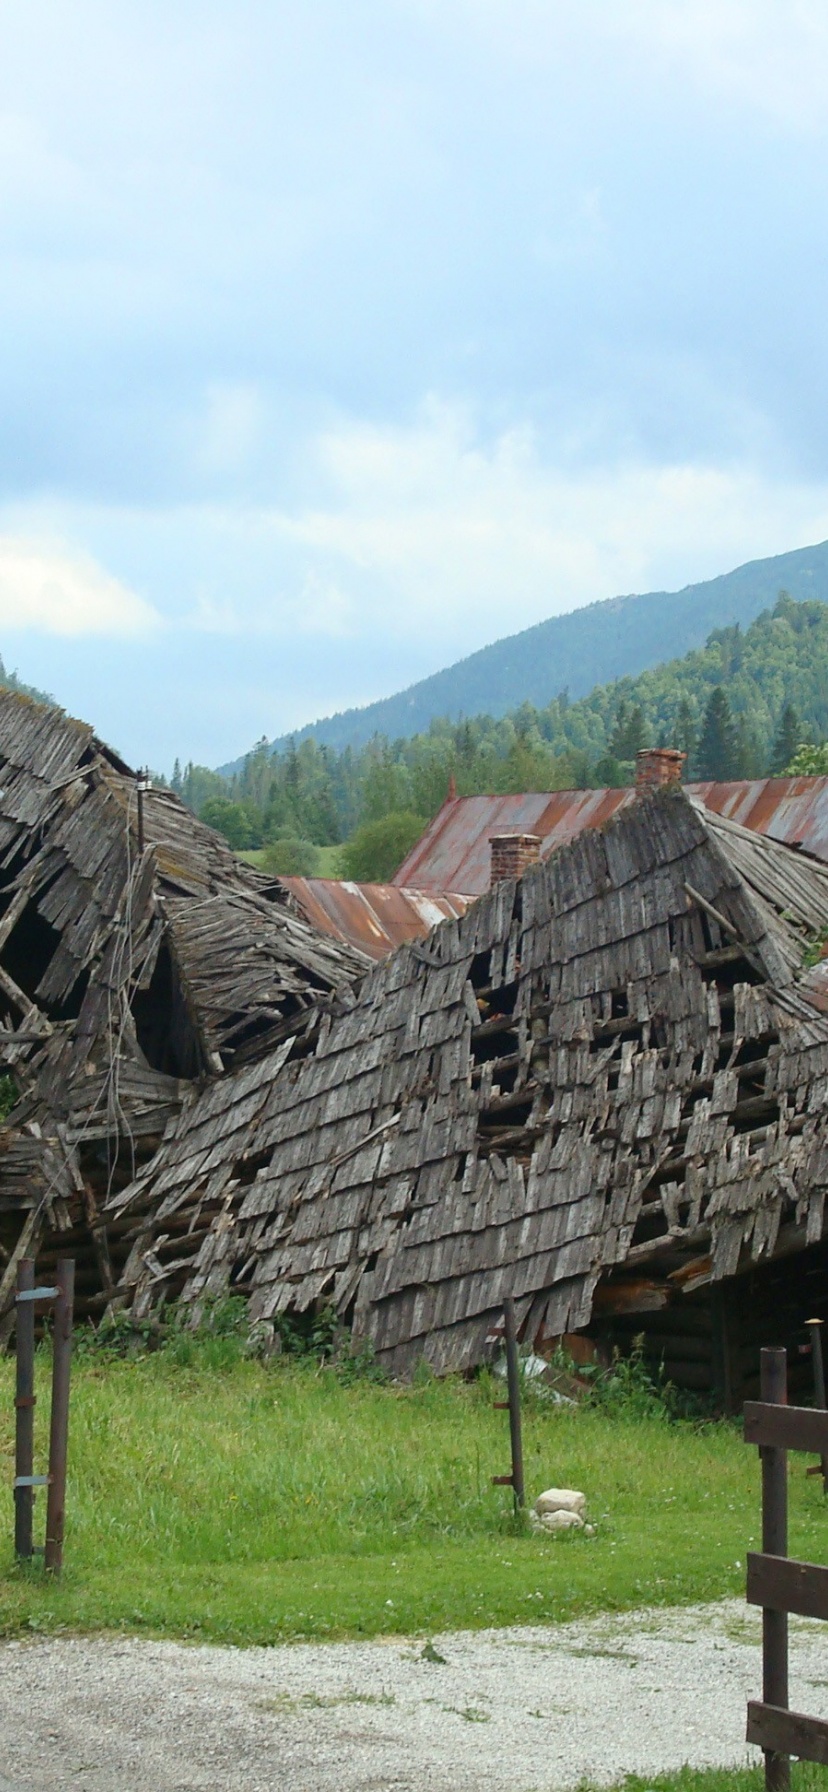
738, 706
592, 646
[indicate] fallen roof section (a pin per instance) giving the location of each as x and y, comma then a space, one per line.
137, 955
453, 852
605, 1070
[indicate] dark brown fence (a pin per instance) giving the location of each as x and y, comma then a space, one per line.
61, 1298
778, 1583
515, 1479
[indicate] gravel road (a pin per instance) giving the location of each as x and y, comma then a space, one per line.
524, 1710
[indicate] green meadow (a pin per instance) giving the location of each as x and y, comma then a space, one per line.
216, 1497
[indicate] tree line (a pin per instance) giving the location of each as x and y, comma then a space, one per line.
740, 707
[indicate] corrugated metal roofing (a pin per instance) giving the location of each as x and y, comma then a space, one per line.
373, 917
454, 853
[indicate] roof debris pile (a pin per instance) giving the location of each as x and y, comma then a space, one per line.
137, 956
604, 1075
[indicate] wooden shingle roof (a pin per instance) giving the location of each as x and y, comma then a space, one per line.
607, 1064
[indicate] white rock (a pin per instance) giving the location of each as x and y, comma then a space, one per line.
561, 1499
562, 1521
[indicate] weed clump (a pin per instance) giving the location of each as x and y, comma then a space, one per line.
631, 1387
219, 1335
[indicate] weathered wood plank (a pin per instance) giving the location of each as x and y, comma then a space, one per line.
787, 1733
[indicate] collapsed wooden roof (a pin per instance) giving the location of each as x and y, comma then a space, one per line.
605, 1066
137, 955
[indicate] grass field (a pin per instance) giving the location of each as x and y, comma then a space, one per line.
329, 860
804, 1778
238, 1501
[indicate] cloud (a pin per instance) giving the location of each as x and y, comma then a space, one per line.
431, 529
769, 55
57, 591
230, 428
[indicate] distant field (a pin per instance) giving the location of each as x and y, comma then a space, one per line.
328, 860
241, 1502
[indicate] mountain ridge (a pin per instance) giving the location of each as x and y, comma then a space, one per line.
575, 652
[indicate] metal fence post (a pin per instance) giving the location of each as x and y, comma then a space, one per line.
59, 1432
515, 1479
774, 1390
24, 1328
513, 1382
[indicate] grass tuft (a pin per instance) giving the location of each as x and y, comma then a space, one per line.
804, 1778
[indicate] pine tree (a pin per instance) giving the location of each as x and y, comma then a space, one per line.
686, 735
717, 756
630, 732
788, 739
749, 758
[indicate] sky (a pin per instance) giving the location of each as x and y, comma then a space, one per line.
339, 340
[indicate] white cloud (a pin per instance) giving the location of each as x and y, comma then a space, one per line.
427, 528
413, 545
230, 428
770, 55
60, 592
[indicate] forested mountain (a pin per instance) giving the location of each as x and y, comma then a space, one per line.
574, 653
738, 707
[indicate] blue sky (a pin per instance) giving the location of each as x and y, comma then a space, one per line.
338, 340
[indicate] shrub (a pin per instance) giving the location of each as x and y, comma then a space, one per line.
809, 762
377, 849
291, 857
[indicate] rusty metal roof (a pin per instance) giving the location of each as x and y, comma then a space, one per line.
373, 917
454, 853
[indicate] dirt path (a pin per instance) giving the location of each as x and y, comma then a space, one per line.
526, 1710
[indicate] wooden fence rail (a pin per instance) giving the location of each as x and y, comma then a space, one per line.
776, 1582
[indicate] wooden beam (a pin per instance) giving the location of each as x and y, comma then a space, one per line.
787, 1733
786, 1427
784, 1585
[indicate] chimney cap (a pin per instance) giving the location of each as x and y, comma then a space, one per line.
514, 834
512, 854
658, 766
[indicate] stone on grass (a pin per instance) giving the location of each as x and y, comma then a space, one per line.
561, 1521
561, 1499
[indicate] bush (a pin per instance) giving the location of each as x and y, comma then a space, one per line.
377, 849
291, 857
232, 820
809, 762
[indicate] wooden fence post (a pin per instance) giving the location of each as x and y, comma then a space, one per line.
815, 1329
774, 1391
59, 1433
24, 1331
776, 1582
513, 1382
515, 1479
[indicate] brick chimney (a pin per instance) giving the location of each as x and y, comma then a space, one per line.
512, 854
657, 766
